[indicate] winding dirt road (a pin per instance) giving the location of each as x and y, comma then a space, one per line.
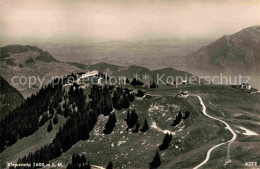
227, 127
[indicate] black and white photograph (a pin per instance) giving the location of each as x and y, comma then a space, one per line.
130, 84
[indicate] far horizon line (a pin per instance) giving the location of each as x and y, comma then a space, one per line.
85, 41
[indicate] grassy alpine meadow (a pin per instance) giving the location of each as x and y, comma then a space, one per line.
31, 143
191, 138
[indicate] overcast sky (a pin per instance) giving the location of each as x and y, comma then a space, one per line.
82, 20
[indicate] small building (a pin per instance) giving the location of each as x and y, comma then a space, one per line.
183, 94
85, 77
246, 86
184, 81
89, 74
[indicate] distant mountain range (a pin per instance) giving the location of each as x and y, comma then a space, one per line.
230, 54
133, 70
31, 61
236, 53
125, 52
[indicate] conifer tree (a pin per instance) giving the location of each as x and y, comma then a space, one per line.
78, 159
88, 166
136, 82
127, 81
110, 165
125, 101
51, 110
153, 85
145, 126
186, 115
177, 119
156, 161
131, 97
131, 118
117, 100
110, 123
128, 118
83, 159
49, 129
66, 112
59, 110
55, 119
166, 141
134, 118
44, 119
73, 161
69, 166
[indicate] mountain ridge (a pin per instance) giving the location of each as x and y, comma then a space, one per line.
21, 61
239, 51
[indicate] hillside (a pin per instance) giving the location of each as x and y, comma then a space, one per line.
192, 137
9, 97
23, 62
239, 52
125, 52
31, 61
132, 70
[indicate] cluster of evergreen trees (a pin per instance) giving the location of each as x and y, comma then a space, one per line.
136, 82
186, 115
79, 162
24, 120
179, 117
156, 162
101, 101
166, 141
69, 78
122, 98
132, 121
153, 85
76, 96
140, 93
43, 155
76, 128
80, 122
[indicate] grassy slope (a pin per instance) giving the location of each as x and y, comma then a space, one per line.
31, 61
31, 143
193, 137
239, 109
